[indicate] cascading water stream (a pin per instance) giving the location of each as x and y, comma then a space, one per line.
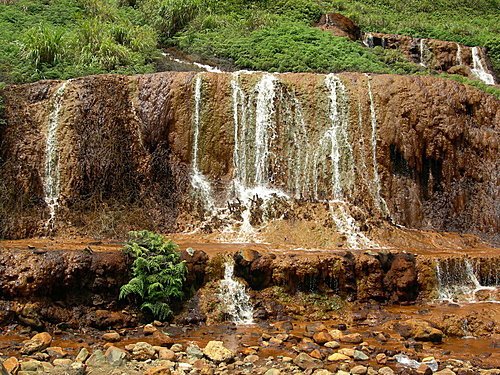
198, 181
379, 201
250, 156
51, 183
459, 55
368, 40
422, 49
234, 298
458, 281
341, 151
263, 124
478, 68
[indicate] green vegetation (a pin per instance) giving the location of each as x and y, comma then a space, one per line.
69, 38
158, 273
471, 22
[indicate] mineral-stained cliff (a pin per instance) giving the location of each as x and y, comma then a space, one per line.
170, 149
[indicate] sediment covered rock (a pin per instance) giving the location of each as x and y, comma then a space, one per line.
125, 149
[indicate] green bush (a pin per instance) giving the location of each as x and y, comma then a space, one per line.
158, 273
43, 45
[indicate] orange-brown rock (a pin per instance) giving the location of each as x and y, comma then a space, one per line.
339, 25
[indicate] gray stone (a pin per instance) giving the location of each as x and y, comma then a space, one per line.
97, 359
116, 357
360, 356
194, 351
305, 361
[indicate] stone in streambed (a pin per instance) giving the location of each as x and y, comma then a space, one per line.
97, 359
116, 357
111, 337
322, 337
82, 355
386, 371
143, 351
37, 343
338, 357
305, 361
216, 351
11, 365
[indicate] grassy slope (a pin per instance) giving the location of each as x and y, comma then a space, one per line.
68, 38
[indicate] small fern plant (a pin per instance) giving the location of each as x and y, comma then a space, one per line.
157, 270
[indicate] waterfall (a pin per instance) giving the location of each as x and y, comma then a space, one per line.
422, 49
379, 201
458, 281
51, 183
341, 153
198, 181
478, 68
368, 40
459, 55
263, 123
233, 297
341, 157
252, 148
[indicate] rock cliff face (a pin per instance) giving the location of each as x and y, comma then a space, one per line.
170, 150
439, 55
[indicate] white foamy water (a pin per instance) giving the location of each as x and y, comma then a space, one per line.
459, 54
51, 182
422, 48
234, 298
198, 181
458, 282
479, 69
205, 67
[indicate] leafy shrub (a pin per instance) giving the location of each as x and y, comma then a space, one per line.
43, 45
158, 273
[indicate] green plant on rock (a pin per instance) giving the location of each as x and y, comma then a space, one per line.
158, 273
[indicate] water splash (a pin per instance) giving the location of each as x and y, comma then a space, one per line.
376, 187
198, 181
234, 298
458, 281
478, 68
51, 183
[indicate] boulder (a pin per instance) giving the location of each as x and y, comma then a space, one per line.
419, 330
322, 337
116, 356
11, 365
216, 351
143, 351
339, 25
37, 343
111, 337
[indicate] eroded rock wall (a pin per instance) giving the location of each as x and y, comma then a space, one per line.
126, 146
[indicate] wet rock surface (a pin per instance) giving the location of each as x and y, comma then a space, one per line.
436, 144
